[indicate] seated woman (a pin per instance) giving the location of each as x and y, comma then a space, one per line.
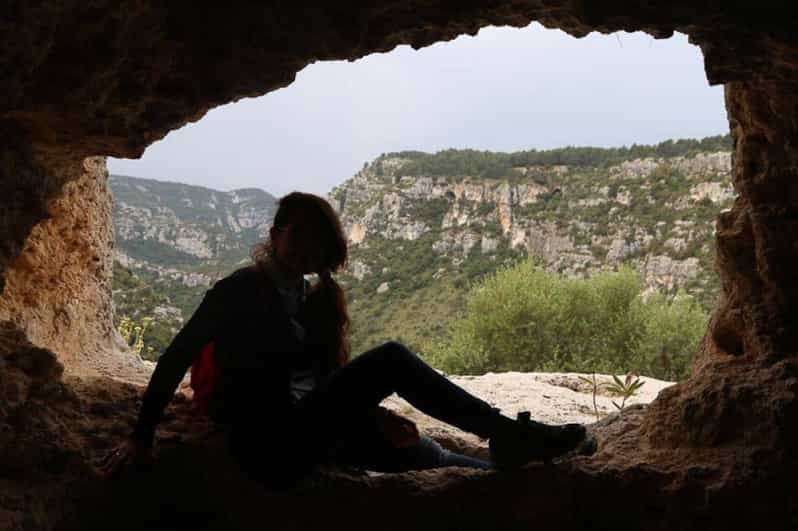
289, 397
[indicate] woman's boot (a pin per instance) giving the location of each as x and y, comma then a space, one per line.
517, 442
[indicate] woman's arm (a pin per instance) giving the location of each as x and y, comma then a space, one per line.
214, 312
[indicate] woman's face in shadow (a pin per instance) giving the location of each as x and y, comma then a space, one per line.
300, 246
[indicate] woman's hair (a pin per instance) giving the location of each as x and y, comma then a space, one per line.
324, 311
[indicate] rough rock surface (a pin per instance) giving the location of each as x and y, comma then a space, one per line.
58, 290
60, 431
454, 214
716, 452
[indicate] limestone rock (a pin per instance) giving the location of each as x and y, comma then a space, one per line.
714, 191
666, 273
488, 245
191, 220
58, 290
591, 230
719, 162
360, 270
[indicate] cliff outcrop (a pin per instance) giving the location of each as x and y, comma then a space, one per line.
573, 220
423, 226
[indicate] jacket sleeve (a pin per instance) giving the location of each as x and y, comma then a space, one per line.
217, 309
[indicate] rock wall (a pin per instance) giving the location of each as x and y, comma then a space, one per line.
462, 213
758, 239
739, 409
179, 223
58, 289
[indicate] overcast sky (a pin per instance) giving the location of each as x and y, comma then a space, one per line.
506, 89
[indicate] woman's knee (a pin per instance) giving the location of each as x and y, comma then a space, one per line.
390, 358
396, 352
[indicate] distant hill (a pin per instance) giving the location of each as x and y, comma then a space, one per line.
173, 240
174, 224
422, 227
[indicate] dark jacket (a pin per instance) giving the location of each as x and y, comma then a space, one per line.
255, 344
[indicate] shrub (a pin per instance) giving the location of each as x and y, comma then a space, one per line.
133, 334
522, 318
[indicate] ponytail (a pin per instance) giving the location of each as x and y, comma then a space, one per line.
325, 313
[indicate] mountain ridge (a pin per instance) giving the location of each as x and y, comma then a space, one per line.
410, 231
420, 236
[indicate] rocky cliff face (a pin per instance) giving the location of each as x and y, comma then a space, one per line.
165, 224
418, 238
656, 214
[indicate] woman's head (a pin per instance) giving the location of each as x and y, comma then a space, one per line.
306, 235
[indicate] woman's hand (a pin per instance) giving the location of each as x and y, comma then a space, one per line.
128, 452
324, 275
400, 431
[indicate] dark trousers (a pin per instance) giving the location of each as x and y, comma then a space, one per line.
336, 422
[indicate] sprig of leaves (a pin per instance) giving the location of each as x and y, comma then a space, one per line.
626, 388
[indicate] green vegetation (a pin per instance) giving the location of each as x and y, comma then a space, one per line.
430, 211
135, 300
626, 388
133, 334
421, 300
156, 252
524, 319
492, 165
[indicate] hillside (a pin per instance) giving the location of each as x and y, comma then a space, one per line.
173, 241
422, 227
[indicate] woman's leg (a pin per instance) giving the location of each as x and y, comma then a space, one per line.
369, 450
427, 453
450, 458
358, 387
346, 401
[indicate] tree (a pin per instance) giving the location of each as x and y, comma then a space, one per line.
525, 319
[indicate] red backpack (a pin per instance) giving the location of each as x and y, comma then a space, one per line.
204, 376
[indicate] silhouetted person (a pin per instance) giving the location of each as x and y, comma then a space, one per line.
289, 397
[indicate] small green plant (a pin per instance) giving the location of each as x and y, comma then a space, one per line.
592, 382
627, 388
133, 333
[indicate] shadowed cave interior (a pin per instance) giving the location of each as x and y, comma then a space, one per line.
84, 81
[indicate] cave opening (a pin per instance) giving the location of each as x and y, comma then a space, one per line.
714, 451
517, 97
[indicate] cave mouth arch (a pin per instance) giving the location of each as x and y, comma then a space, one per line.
714, 451
247, 122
